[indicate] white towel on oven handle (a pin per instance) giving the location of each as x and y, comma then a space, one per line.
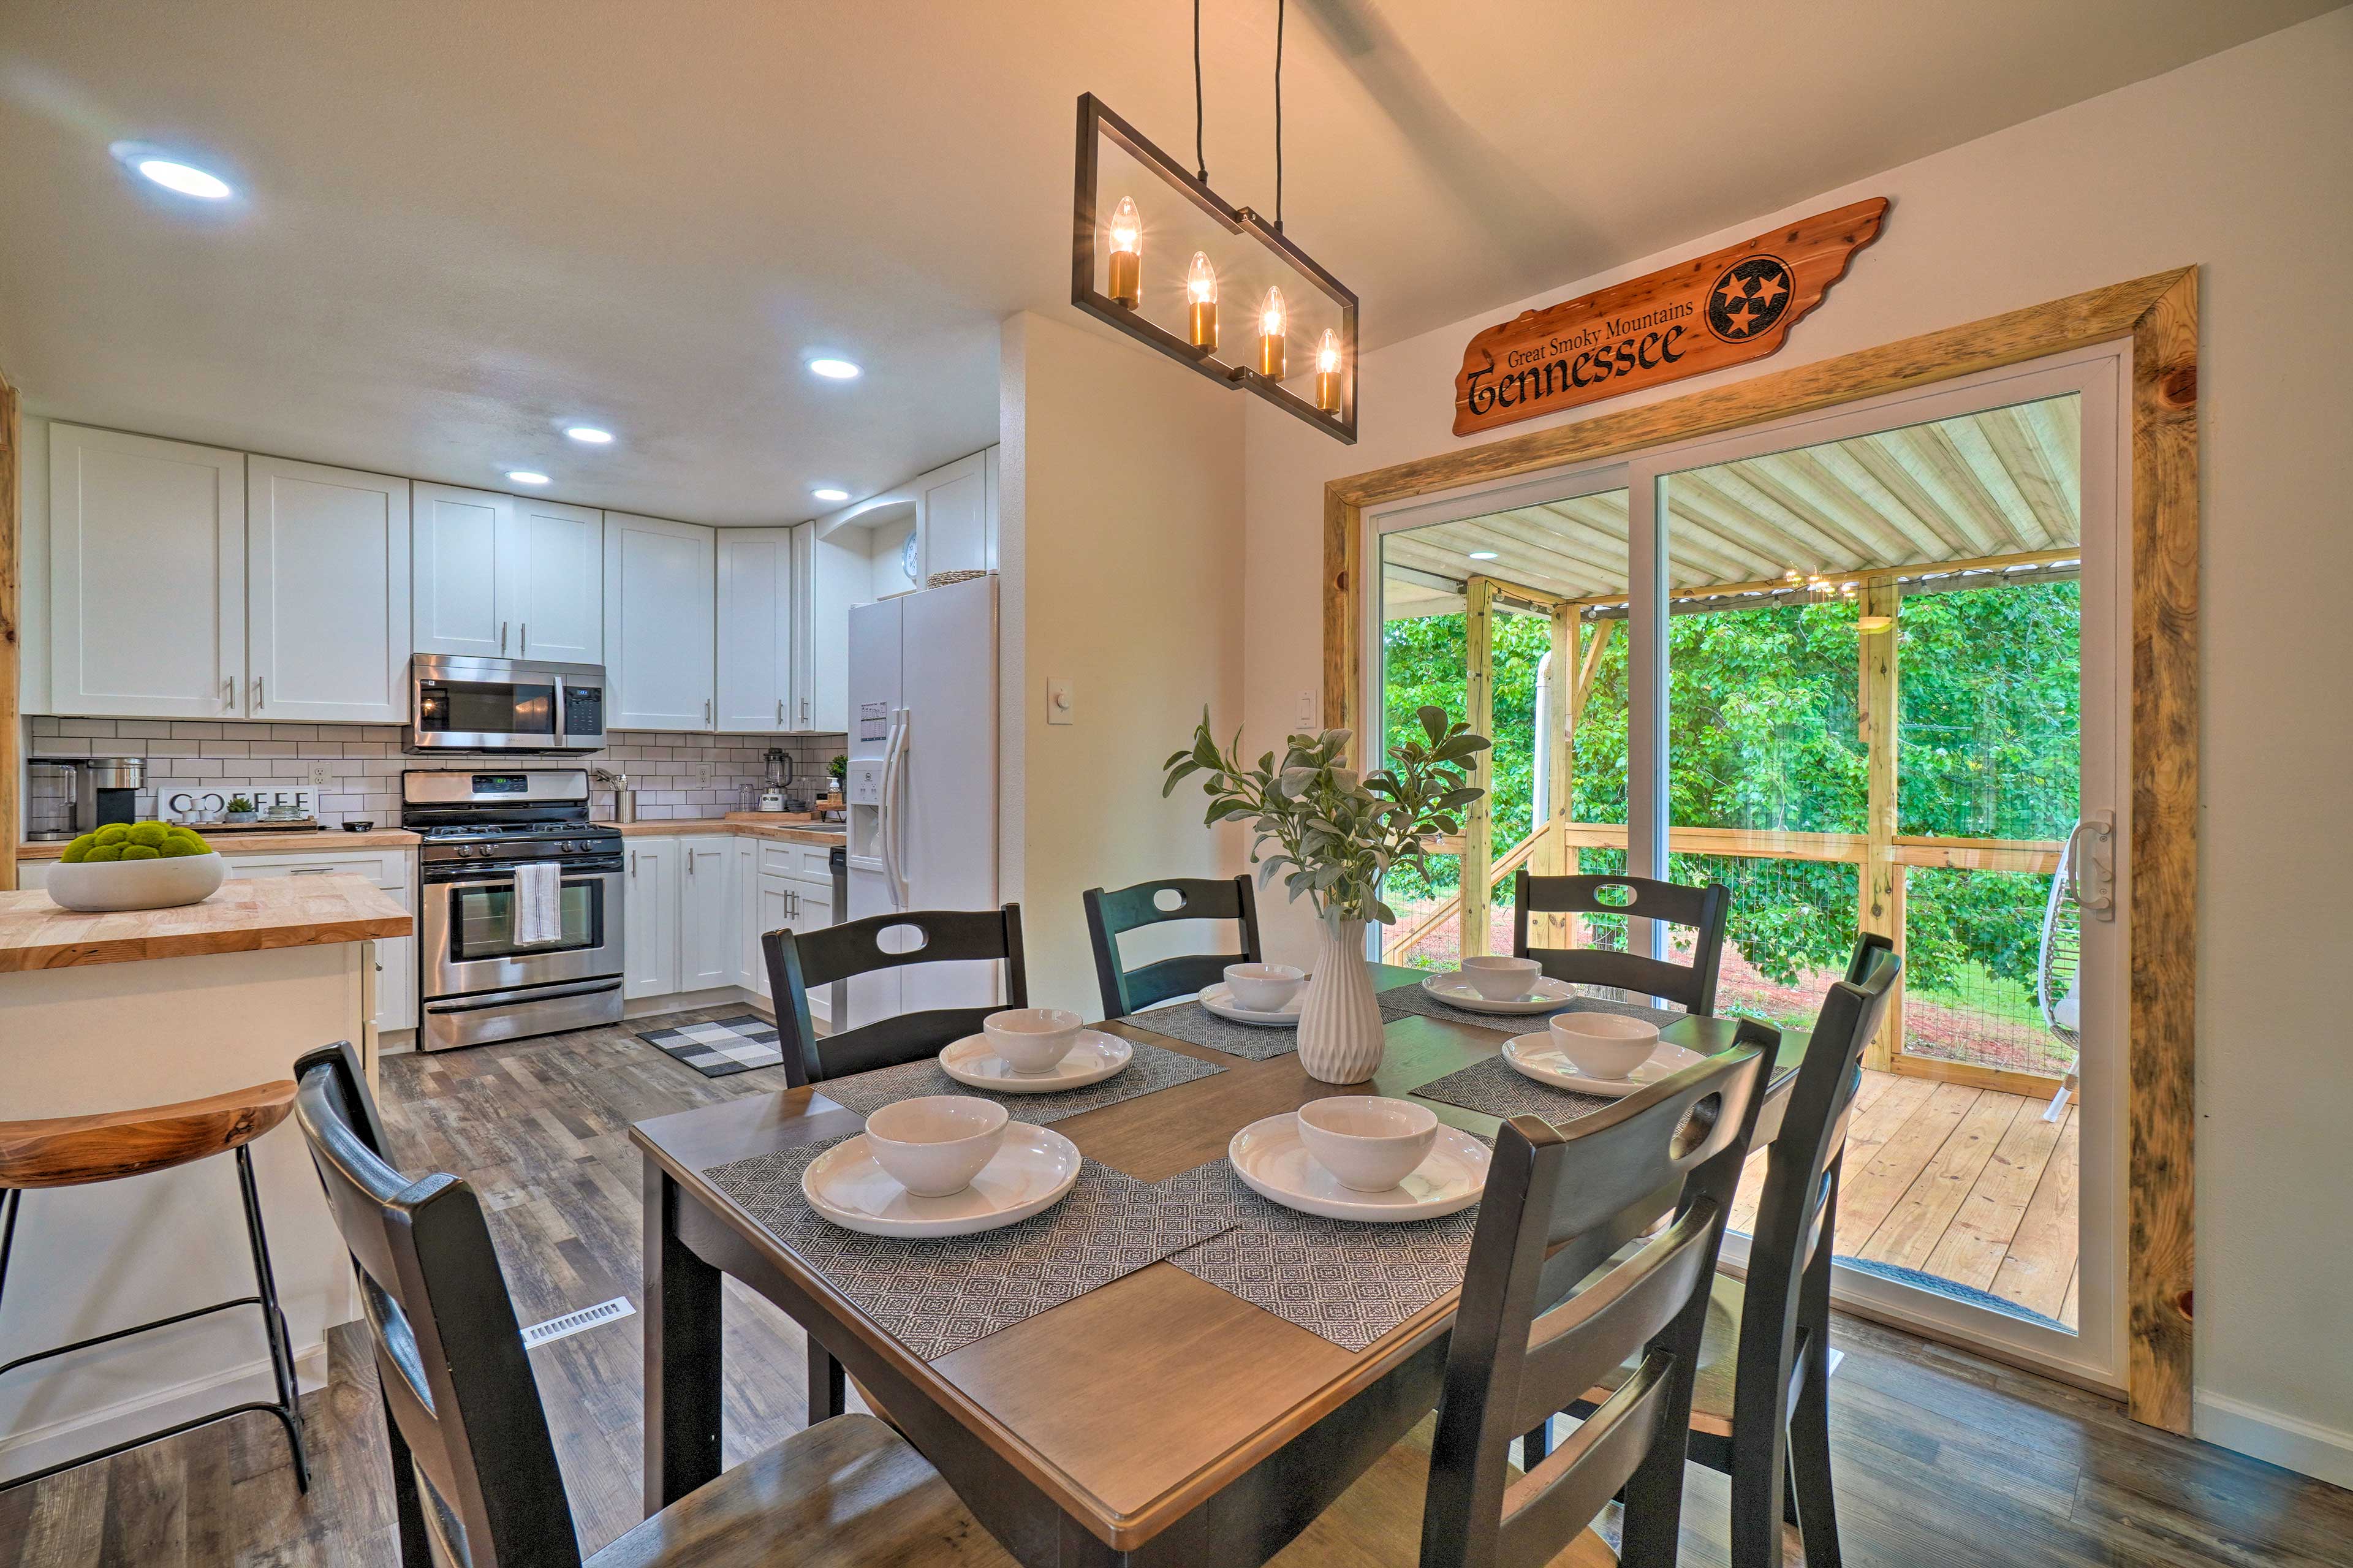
538, 903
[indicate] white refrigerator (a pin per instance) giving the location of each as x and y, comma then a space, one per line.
921, 788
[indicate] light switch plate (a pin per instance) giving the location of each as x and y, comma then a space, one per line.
1060, 703
1308, 710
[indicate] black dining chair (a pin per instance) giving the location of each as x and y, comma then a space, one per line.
1544, 1310
800, 961
1111, 915
474, 1464
1703, 911
1769, 1335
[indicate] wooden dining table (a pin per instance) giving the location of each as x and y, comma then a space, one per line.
1157, 1419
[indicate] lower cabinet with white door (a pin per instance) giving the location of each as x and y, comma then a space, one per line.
698, 904
392, 870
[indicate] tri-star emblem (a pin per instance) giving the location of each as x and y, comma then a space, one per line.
1749, 298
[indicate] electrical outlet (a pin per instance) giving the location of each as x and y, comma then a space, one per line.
320, 777
705, 770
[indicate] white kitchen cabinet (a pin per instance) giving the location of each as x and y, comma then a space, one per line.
650, 918
661, 596
751, 963
708, 931
500, 576
327, 588
392, 870
832, 578
954, 506
559, 585
756, 693
800, 904
147, 576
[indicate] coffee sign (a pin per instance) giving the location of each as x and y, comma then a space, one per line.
1734, 305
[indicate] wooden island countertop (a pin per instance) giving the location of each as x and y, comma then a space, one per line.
246, 915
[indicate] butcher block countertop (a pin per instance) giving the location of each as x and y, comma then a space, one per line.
246, 915
786, 832
228, 841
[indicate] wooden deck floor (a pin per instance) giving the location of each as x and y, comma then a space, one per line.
1968, 1184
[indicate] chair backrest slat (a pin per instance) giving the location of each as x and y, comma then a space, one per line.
1705, 911
1111, 915
798, 961
458, 1382
1543, 1311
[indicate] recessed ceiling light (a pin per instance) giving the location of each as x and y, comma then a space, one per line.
825, 492
172, 173
1483, 555
834, 369
525, 476
590, 435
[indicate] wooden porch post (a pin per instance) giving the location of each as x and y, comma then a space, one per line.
1479, 706
1881, 878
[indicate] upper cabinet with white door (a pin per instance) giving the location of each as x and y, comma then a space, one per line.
756, 691
326, 570
955, 516
661, 595
146, 576
502, 576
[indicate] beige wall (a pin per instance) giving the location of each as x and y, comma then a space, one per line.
1121, 510
2242, 163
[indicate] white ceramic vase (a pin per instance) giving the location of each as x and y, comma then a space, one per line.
1340, 1021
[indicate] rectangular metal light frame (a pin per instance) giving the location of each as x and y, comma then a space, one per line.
1097, 120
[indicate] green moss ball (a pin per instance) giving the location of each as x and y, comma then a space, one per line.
149, 833
104, 852
112, 833
175, 846
194, 838
76, 853
141, 852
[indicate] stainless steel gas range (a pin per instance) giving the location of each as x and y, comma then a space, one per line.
477, 982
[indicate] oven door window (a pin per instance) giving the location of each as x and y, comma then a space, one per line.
485, 708
482, 921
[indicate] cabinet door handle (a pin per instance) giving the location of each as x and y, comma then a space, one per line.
228, 694
633, 865
257, 694
804, 710
706, 709
502, 636
525, 648
310, 870
690, 859
780, 712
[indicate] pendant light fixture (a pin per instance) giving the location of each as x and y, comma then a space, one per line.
1143, 190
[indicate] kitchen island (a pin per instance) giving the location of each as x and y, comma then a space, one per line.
112, 1011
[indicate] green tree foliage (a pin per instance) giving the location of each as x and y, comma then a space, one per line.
1763, 732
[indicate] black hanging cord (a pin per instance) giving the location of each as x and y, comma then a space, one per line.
1278, 112
1200, 160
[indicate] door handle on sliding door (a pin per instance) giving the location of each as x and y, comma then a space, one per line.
2095, 895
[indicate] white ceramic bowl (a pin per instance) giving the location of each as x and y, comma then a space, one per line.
1501, 979
1604, 1044
1369, 1143
1263, 987
936, 1144
1032, 1039
100, 887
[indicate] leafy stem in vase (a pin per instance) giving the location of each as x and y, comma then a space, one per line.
1334, 833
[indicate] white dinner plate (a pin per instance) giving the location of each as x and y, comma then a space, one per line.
1456, 992
1096, 1057
1219, 999
1029, 1174
1273, 1164
1538, 1058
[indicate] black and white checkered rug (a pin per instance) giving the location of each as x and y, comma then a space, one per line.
718, 1049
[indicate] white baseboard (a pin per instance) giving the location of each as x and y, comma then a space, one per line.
36, 1448
2323, 1453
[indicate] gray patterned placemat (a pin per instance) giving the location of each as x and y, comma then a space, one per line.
1195, 1024
1346, 1281
1496, 1087
1150, 1070
940, 1294
1398, 1000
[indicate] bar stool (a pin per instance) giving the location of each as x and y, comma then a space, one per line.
77, 1151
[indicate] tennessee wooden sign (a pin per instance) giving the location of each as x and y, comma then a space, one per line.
1734, 305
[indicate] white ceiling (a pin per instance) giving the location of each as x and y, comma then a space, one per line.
462, 225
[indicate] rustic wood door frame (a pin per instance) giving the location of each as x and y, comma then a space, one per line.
11, 635
2159, 314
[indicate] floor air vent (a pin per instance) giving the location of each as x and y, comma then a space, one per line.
539, 1334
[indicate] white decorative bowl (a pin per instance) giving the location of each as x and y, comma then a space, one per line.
103, 887
935, 1144
1033, 1039
1606, 1045
1367, 1142
1503, 979
1264, 987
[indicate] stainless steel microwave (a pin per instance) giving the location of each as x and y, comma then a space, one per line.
505, 705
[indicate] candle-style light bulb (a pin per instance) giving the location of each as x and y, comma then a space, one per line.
1126, 254
1201, 300
1272, 359
1327, 372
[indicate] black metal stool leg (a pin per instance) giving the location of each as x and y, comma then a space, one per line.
273, 1320
11, 1199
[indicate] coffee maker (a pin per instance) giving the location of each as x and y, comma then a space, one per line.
106, 789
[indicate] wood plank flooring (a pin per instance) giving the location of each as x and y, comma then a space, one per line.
1968, 1184
1942, 1458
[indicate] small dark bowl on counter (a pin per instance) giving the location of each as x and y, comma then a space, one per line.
357, 827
